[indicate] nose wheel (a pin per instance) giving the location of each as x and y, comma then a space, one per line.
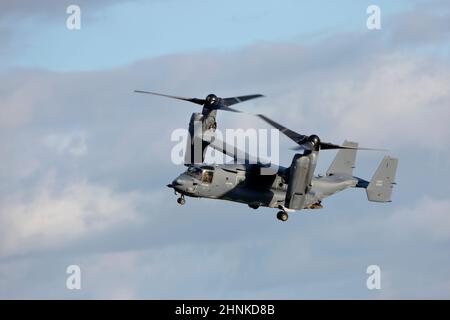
181, 201
282, 216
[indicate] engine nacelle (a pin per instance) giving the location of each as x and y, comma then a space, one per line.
301, 174
196, 144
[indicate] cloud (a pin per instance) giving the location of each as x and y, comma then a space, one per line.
388, 101
49, 8
296, 261
352, 97
51, 217
73, 143
429, 219
5, 39
420, 28
18, 21
85, 163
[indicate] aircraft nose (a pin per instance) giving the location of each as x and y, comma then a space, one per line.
175, 183
178, 182
183, 184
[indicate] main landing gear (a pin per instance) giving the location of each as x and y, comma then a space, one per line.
282, 216
181, 200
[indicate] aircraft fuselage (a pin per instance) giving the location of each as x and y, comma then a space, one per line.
246, 184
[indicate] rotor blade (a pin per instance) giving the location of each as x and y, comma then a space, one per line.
331, 146
226, 102
300, 147
193, 100
296, 137
228, 109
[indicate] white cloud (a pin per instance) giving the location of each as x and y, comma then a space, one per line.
354, 89
53, 216
391, 100
112, 275
428, 219
397, 101
73, 143
21, 99
327, 258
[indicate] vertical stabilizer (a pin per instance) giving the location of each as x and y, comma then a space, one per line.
380, 187
344, 162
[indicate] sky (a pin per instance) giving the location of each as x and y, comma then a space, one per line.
85, 162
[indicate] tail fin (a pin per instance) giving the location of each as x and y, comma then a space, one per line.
344, 162
380, 187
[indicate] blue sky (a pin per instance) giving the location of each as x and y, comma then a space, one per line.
125, 32
85, 162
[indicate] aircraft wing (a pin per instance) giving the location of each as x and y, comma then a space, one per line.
231, 151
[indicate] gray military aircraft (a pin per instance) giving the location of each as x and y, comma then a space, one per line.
288, 189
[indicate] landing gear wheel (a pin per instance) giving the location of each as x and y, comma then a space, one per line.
181, 201
282, 216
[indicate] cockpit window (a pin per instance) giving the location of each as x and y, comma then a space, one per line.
207, 176
194, 172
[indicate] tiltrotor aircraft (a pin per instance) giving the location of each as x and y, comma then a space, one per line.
288, 189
